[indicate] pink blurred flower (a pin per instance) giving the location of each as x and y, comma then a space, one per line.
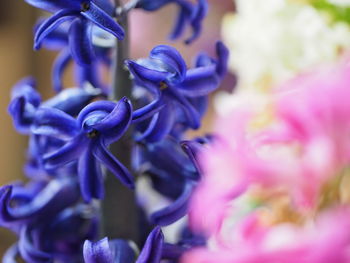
326, 240
305, 146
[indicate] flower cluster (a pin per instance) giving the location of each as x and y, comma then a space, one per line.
276, 177
56, 215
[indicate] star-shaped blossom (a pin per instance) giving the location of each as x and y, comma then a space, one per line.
189, 14
82, 14
36, 202
165, 75
26, 100
58, 238
98, 125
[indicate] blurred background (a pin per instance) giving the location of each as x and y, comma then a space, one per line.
19, 60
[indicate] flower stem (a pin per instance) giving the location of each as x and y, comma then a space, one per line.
119, 210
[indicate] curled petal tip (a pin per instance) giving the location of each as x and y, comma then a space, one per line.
5, 192
125, 99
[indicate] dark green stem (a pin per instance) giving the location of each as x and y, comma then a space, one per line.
119, 210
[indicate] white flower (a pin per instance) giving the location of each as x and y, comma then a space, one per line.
273, 40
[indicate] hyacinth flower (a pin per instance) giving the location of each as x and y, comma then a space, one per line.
166, 164
83, 14
165, 75
58, 238
34, 167
28, 205
173, 173
189, 14
179, 208
119, 251
72, 100
97, 126
26, 101
58, 39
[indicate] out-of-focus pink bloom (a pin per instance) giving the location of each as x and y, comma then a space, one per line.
315, 109
305, 146
326, 240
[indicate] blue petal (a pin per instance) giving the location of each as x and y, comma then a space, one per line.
192, 115
173, 59
223, 56
103, 20
90, 177
72, 100
103, 106
203, 60
54, 5
68, 230
160, 125
59, 66
11, 254
146, 76
98, 252
112, 164
184, 16
25, 100
27, 192
172, 252
27, 88
55, 123
106, 6
192, 148
5, 196
88, 74
168, 161
22, 116
53, 198
152, 250
66, 154
174, 211
197, 19
114, 251
152, 5
118, 120
51, 24
27, 250
199, 81
57, 39
147, 111
123, 252
80, 42
200, 104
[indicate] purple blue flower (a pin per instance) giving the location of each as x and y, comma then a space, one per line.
165, 75
83, 14
98, 125
189, 14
